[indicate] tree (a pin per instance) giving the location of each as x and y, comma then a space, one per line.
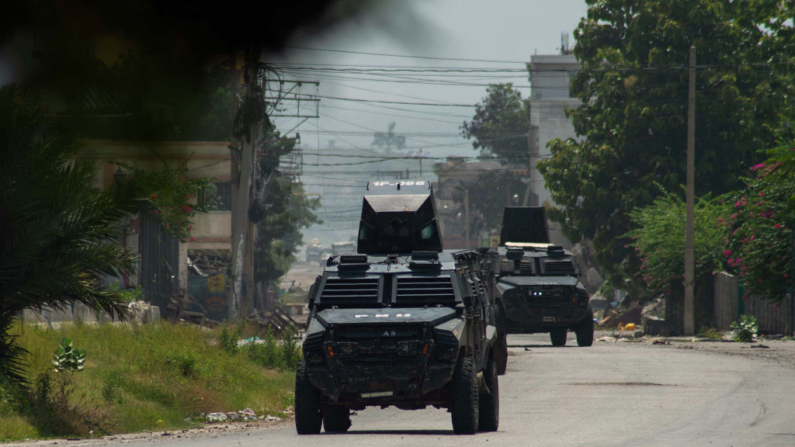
388, 139
280, 215
500, 125
633, 84
57, 231
762, 214
488, 196
657, 239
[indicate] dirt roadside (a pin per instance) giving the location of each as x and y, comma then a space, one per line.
207, 431
780, 352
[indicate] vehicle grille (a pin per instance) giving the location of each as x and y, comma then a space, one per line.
349, 291
558, 267
420, 291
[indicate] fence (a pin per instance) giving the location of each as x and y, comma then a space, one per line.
772, 318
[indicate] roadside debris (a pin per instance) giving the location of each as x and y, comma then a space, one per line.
760, 346
216, 417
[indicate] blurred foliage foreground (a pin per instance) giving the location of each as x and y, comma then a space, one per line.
143, 377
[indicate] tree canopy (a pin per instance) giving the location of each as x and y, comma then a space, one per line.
500, 124
760, 244
633, 122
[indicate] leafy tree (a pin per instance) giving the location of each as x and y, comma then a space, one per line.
659, 235
488, 196
632, 124
388, 139
280, 215
500, 124
760, 245
57, 233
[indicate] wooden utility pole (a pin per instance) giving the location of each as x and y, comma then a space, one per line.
691, 166
466, 218
241, 301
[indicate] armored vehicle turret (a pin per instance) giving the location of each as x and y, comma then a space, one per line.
400, 323
535, 284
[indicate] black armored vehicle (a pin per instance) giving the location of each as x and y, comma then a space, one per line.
400, 323
536, 284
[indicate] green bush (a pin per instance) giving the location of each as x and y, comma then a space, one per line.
745, 329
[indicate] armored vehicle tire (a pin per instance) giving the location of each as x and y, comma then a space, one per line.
489, 412
558, 337
307, 404
464, 407
585, 331
336, 419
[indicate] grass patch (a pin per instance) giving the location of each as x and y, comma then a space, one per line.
144, 377
710, 333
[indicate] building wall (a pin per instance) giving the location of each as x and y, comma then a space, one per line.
211, 230
550, 79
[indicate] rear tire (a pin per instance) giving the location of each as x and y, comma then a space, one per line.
336, 419
307, 404
489, 411
585, 331
464, 407
558, 337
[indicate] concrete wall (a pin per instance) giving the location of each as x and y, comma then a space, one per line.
772, 317
726, 301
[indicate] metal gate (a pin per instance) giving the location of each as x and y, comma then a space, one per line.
159, 261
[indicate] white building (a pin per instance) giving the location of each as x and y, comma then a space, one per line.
550, 80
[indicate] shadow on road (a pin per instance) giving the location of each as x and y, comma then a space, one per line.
397, 432
540, 346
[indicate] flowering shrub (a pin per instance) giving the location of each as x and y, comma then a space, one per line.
759, 245
659, 240
169, 194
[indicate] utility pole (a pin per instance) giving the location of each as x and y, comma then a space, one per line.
241, 301
792, 283
691, 166
466, 218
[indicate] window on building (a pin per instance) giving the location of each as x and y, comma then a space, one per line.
572, 75
218, 200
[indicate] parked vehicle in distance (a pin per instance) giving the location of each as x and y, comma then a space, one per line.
313, 251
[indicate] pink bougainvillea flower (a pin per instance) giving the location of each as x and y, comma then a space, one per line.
776, 226
752, 237
761, 194
186, 209
153, 196
727, 253
192, 239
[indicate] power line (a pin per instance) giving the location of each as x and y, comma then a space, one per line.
405, 56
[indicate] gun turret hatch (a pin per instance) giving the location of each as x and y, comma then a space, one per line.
524, 224
398, 217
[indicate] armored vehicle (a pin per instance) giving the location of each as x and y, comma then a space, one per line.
400, 323
536, 284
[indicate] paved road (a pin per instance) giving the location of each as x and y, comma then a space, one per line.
612, 394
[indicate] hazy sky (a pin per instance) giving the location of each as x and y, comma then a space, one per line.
495, 30
505, 30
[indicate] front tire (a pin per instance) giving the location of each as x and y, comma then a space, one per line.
307, 404
558, 337
489, 411
585, 331
336, 419
464, 407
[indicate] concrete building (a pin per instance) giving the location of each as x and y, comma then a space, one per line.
550, 80
164, 260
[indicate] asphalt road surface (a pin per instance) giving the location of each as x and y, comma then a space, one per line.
612, 394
